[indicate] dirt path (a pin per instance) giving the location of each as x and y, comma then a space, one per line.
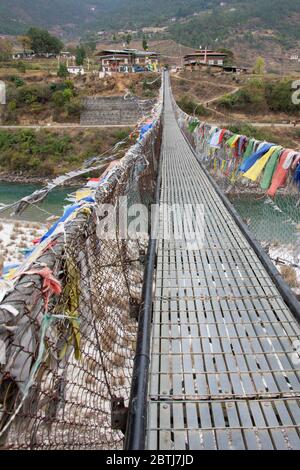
216, 98
221, 85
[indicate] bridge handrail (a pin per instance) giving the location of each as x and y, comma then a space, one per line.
286, 292
68, 323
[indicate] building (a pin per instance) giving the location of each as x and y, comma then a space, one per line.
234, 69
153, 30
21, 55
128, 60
33, 55
205, 57
65, 55
76, 70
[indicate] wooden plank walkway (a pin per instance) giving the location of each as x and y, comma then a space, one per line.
222, 374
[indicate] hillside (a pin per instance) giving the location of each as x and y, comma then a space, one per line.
254, 21
250, 28
17, 15
242, 106
190, 22
69, 15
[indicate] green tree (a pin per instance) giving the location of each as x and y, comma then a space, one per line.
145, 44
62, 71
259, 67
5, 50
58, 99
128, 39
80, 55
41, 41
25, 41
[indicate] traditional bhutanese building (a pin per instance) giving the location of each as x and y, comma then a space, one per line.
128, 60
205, 57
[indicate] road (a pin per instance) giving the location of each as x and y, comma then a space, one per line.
68, 126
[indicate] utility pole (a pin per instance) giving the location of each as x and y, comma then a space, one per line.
2, 99
181, 58
205, 56
1, 114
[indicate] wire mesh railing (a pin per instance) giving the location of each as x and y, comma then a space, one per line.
265, 195
68, 324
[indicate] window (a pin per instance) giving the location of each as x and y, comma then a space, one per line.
211, 62
220, 62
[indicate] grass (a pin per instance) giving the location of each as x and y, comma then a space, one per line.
287, 136
261, 95
190, 106
46, 153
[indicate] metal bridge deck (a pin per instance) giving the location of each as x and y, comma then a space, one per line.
223, 372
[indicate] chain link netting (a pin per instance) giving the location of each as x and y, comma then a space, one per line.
68, 327
273, 220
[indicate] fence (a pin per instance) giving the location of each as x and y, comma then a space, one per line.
68, 326
268, 203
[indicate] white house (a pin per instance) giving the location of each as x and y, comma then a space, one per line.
76, 70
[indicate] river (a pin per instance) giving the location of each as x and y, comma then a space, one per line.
273, 222
53, 204
268, 225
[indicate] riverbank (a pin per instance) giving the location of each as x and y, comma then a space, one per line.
16, 237
33, 155
37, 180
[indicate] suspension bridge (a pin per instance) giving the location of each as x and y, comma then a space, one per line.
211, 362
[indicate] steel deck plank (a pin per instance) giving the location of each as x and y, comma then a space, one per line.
221, 374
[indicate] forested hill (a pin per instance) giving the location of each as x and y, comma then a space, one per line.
191, 22
274, 20
17, 15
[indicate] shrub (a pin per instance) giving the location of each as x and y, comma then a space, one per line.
68, 94
62, 71
74, 107
58, 99
262, 96
69, 84
279, 97
121, 134
21, 67
17, 81
189, 106
12, 106
29, 94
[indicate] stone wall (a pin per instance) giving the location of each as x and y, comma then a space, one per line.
112, 111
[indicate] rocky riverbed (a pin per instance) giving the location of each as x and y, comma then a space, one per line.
15, 238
